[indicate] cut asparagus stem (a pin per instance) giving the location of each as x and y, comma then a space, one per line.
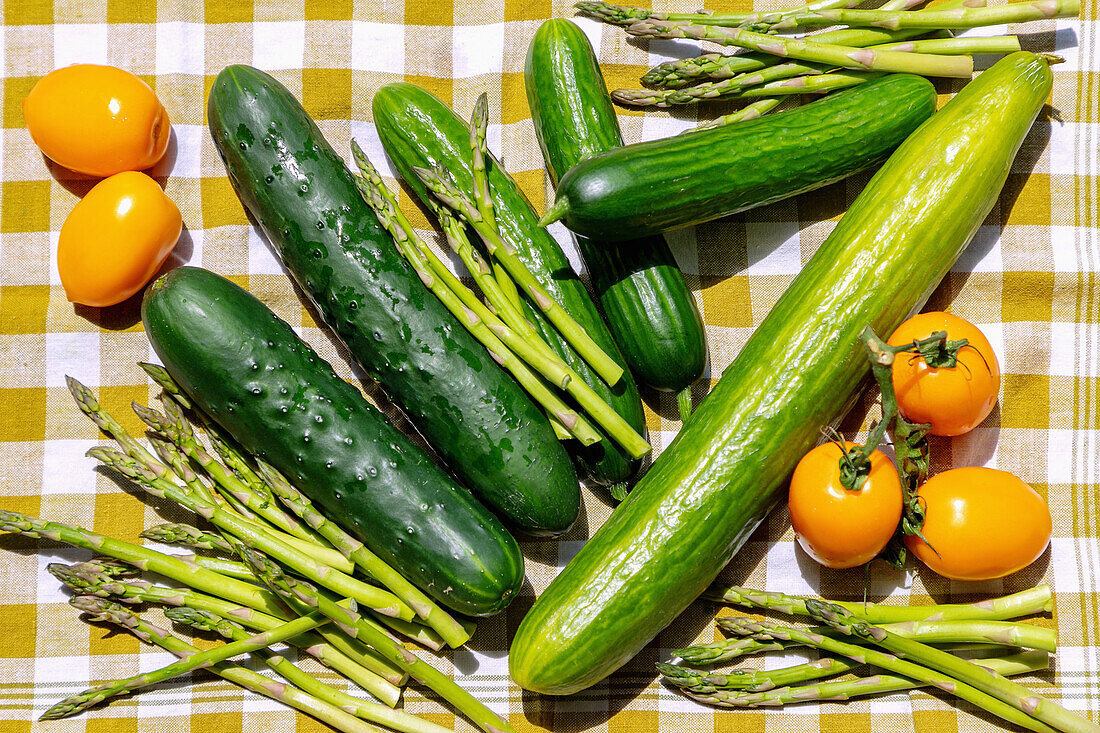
450, 630
966, 631
841, 690
507, 346
962, 672
380, 714
230, 568
299, 594
247, 594
767, 631
954, 19
846, 57
184, 534
718, 66
101, 610
1025, 603
444, 189
199, 660
615, 426
331, 647
748, 112
370, 596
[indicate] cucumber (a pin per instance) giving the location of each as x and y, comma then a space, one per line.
799, 371
644, 297
651, 187
246, 369
483, 425
418, 130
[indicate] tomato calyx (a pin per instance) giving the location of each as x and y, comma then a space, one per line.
936, 351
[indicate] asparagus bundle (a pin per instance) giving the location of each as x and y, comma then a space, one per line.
250, 507
501, 325
873, 41
849, 636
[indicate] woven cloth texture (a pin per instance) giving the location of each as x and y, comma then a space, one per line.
1028, 280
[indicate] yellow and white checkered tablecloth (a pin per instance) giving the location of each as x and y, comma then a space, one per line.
1029, 279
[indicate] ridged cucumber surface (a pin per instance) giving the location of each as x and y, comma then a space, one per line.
483, 425
648, 305
651, 187
418, 130
249, 371
800, 371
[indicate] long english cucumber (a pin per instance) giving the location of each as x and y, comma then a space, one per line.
799, 371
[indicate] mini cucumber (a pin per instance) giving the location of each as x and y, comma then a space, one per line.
249, 371
651, 187
647, 303
479, 420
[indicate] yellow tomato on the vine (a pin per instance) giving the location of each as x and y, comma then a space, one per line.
953, 399
98, 120
840, 527
116, 238
980, 523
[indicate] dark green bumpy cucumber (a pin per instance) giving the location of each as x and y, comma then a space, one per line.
485, 427
418, 130
798, 372
646, 301
246, 368
651, 187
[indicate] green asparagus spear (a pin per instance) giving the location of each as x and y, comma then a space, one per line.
302, 595
954, 19
331, 647
92, 696
625, 16
161, 377
965, 673
700, 682
1034, 600
101, 610
247, 594
841, 690
748, 112
453, 633
845, 57
380, 714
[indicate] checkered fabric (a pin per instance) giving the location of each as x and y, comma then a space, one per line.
1029, 279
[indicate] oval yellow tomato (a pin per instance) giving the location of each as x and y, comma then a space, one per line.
982, 523
98, 120
953, 399
116, 238
840, 527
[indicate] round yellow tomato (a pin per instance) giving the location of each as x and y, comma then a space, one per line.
840, 527
981, 522
98, 120
953, 399
116, 238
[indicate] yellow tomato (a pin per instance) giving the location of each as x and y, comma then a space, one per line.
981, 522
116, 238
98, 120
840, 527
